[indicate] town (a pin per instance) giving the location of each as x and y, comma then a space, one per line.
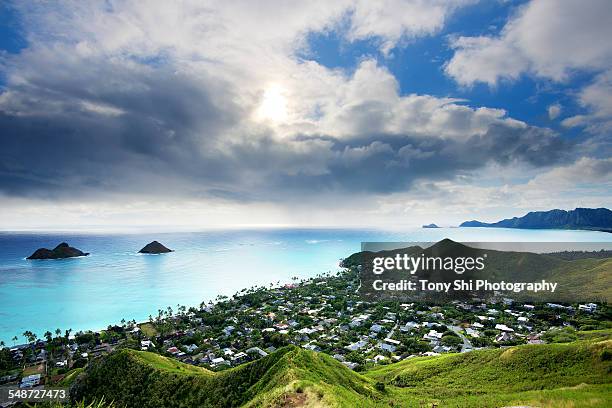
323, 314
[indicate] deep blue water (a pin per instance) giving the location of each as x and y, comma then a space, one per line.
115, 282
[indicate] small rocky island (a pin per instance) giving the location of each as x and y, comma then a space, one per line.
61, 251
430, 226
154, 248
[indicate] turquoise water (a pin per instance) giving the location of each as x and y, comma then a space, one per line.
115, 282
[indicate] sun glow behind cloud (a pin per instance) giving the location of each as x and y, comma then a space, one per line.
273, 106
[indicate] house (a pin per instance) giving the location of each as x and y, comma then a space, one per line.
173, 350
589, 307
216, 362
357, 345
339, 357
433, 335
355, 323
387, 347
503, 327
471, 332
408, 326
379, 358
312, 347
534, 339
145, 344
504, 336
30, 381
42, 355
191, 348
239, 357
441, 349
557, 306
307, 330
350, 364
376, 328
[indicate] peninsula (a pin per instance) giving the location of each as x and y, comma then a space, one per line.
595, 219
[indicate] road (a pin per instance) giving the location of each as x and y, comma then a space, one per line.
466, 346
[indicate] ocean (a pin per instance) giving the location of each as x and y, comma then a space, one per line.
115, 282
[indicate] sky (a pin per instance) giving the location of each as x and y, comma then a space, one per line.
213, 114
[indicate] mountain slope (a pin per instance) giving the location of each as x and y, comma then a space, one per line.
587, 279
599, 219
551, 375
573, 374
142, 379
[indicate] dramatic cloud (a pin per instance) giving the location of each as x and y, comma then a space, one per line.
125, 102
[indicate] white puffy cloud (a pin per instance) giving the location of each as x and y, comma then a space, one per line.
546, 38
393, 20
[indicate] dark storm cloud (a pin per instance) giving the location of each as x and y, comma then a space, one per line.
86, 127
85, 153
89, 127
391, 163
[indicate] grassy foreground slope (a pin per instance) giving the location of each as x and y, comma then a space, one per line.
576, 374
572, 374
288, 377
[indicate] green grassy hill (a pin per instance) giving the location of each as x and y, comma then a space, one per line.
556, 375
572, 374
584, 279
288, 377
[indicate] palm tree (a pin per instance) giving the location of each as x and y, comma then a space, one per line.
48, 336
15, 340
57, 332
2, 344
30, 336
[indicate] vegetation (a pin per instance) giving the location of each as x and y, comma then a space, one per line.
542, 375
94, 404
144, 379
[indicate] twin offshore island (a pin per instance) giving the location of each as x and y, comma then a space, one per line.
426, 285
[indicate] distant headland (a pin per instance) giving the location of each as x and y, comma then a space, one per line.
154, 248
594, 219
432, 225
61, 251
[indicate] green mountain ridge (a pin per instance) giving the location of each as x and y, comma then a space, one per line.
584, 279
596, 219
546, 375
143, 379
